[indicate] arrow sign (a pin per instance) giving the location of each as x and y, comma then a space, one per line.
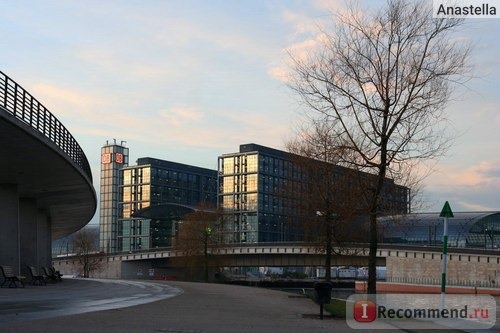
446, 211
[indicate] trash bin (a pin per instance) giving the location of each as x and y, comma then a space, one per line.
322, 292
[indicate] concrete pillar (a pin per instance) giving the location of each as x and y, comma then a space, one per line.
44, 239
9, 227
28, 234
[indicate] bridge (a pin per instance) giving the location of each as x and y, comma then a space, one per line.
265, 254
405, 264
46, 189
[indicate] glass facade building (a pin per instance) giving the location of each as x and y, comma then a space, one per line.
465, 229
252, 196
154, 182
141, 205
114, 157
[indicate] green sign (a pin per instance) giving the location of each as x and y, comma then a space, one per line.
446, 211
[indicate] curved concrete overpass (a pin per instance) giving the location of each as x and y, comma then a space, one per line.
46, 189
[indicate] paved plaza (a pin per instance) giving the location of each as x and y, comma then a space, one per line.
176, 307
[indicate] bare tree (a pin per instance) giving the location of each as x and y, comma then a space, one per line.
199, 234
86, 248
381, 81
329, 196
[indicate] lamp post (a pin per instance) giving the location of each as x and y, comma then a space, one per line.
484, 234
488, 232
206, 238
329, 220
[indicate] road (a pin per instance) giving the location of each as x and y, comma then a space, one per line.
74, 296
84, 306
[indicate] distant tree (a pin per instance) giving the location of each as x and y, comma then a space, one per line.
198, 236
381, 81
86, 247
329, 197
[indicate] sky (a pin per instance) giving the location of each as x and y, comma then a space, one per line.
188, 81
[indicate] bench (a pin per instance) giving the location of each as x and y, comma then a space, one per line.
9, 277
35, 277
50, 274
57, 274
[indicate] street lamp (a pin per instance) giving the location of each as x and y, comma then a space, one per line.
484, 235
489, 232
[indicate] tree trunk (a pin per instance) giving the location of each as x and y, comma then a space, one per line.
206, 260
372, 257
328, 259
374, 209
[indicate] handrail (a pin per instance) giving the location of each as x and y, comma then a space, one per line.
22, 105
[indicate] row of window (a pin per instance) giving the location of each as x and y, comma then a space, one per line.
136, 176
239, 164
136, 193
110, 173
130, 207
240, 183
261, 202
261, 163
167, 177
241, 202
109, 196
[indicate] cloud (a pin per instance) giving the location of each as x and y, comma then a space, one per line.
299, 51
306, 34
179, 116
479, 174
473, 188
49, 92
302, 23
470, 206
306, 22
279, 73
330, 5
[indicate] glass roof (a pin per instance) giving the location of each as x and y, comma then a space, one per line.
465, 229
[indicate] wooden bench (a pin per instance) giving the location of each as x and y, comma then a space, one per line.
35, 277
9, 277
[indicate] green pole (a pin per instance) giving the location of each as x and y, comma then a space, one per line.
445, 213
445, 257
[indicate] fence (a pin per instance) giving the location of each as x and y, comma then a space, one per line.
437, 282
22, 105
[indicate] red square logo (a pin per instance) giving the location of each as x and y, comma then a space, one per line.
365, 311
106, 158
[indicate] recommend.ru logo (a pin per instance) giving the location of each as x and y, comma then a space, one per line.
420, 311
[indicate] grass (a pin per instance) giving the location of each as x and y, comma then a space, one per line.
336, 308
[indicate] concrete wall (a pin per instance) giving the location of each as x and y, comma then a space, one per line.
25, 237
108, 269
9, 225
138, 269
425, 267
402, 267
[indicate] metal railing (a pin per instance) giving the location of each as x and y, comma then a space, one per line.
22, 105
449, 282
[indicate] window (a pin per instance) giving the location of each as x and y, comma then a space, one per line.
252, 183
127, 176
228, 164
252, 163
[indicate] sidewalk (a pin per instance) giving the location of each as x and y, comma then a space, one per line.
200, 308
